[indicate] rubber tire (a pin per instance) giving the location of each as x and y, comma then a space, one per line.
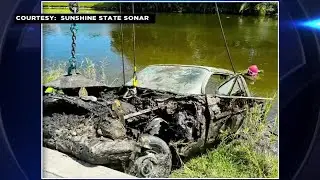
160, 147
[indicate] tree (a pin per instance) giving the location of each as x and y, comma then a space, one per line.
264, 8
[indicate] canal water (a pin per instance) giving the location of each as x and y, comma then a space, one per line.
174, 39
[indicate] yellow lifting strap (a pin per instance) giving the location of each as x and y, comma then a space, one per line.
135, 79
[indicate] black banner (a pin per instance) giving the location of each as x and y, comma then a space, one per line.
85, 18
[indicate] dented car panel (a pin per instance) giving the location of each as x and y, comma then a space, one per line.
99, 133
177, 112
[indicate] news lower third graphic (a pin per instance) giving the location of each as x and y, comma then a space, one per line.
87, 18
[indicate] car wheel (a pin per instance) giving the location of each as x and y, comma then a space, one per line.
154, 162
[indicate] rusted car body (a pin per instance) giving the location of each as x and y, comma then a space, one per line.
177, 112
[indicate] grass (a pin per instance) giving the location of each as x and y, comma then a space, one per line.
53, 73
86, 68
82, 5
67, 11
66, 4
239, 158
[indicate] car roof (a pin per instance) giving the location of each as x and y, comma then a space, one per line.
206, 70
213, 70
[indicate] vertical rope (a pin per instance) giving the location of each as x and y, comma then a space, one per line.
240, 84
123, 71
135, 80
225, 40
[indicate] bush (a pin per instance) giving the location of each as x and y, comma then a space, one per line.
86, 68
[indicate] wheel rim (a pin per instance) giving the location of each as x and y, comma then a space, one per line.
147, 165
146, 168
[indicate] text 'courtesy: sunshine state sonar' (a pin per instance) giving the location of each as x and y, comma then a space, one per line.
85, 18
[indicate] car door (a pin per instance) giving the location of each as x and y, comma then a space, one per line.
228, 87
235, 86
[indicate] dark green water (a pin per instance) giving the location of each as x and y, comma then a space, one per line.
175, 39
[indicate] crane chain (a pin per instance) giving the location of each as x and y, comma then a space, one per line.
74, 8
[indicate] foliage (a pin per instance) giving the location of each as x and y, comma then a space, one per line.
87, 68
53, 73
66, 4
248, 8
264, 8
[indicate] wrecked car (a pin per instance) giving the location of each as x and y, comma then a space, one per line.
191, 79
175, 113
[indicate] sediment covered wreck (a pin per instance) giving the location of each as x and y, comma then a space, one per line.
145, 135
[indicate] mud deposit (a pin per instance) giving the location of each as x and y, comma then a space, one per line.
122, 132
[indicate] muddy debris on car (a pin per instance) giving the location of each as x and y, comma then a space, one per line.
146, 135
